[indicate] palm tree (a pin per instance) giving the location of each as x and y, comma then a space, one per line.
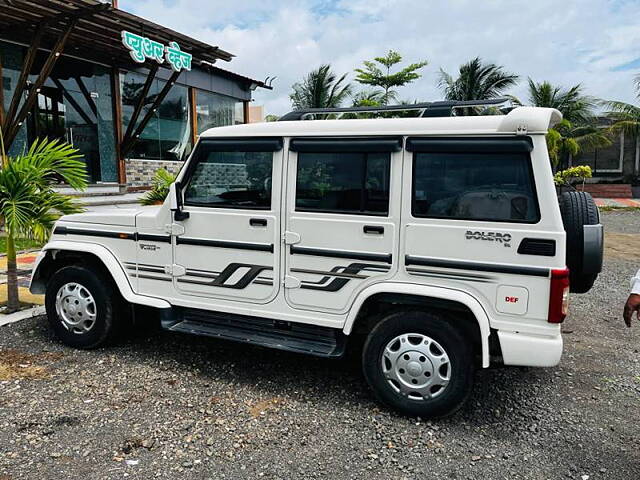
578, 130
369, 98
574, 105
320, 89
567, 139
29, 206
476, 81
625, 115
160, 189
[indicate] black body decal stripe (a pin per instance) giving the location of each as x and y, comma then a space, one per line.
318, 252
261, 247
219, 280
62, 230
151, 277
93, 233
452, 276
348, 273
148, 237
476, 266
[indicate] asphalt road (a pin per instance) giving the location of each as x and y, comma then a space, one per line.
172, 406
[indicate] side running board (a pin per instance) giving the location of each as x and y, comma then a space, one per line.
281, 335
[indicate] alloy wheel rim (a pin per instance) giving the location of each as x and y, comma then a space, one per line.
76, 308
416, 366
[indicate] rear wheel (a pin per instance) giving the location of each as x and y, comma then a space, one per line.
82, 307
419, 364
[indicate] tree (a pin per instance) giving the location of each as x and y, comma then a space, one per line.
368, 98
575, 106
626, 116
568, 139
29, 206
476, 81
578, 130
377, 73
320, 89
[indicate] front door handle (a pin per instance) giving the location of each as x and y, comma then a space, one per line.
258, 222
373, 229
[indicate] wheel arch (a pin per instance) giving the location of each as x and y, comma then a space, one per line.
58, 253
426, 294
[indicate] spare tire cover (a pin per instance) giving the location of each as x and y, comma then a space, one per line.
578, 209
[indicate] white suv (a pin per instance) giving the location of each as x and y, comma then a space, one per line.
435, 244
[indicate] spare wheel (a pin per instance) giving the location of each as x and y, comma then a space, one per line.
584, 239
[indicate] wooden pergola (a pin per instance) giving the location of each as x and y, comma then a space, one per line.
90, 30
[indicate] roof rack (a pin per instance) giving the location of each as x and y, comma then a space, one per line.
443, 108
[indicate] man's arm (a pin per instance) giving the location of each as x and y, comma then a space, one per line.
633, 302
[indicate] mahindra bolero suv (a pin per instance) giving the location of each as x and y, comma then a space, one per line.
432, 245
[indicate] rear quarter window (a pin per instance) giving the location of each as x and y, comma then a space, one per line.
496, 187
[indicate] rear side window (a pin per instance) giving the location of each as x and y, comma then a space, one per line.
474, 186
354, 183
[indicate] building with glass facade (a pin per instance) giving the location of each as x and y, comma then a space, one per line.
131, 95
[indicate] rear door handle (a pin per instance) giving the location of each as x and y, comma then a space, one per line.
373, 229
258, 222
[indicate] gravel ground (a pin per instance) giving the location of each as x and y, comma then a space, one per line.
173, 406
621, 221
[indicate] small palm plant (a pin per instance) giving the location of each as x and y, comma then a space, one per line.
160, 189
29, 205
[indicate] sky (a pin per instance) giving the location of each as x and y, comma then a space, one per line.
593, 42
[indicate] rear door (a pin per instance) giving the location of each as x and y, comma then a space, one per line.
229, 246
341, 219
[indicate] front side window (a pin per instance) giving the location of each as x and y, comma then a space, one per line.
230, 179
355, 183
474, 186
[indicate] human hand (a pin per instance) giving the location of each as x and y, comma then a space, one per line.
632, 305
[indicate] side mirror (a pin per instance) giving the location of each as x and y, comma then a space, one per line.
175, 202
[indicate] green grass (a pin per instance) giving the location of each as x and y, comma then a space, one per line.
21, 244
612, 208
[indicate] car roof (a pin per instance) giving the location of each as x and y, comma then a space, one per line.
529, 120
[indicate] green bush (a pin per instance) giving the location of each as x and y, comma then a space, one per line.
573, 175
160, 189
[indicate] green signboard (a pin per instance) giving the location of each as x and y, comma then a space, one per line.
143, 48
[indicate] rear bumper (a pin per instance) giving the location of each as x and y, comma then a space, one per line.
530, 350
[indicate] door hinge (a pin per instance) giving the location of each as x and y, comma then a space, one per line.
175, 270
290, 238
174, 229
291, 282
521, 129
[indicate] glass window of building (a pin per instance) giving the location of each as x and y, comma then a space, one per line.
74, 105
215, 110
167, 136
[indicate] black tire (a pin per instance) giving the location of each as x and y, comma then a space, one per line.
578, 209
455, 345
108, 305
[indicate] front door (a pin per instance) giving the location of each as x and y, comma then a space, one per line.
341, 231
229, 248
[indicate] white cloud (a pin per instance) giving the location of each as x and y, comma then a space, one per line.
579, 41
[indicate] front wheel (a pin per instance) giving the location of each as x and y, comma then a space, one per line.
82, 307
419, 364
